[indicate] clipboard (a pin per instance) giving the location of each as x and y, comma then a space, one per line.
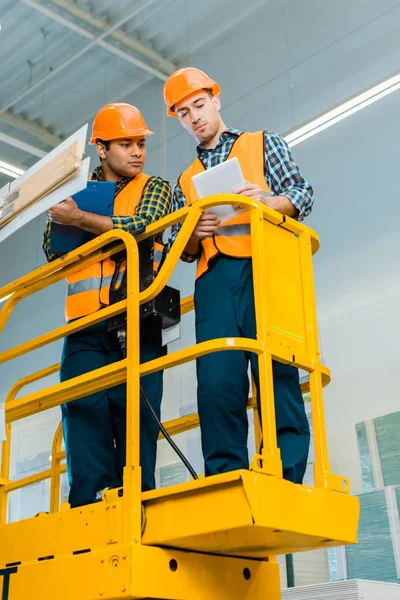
97, 197
221, 179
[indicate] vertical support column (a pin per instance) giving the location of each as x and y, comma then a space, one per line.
256, 417
132, 516
274, 591
290, 571
5, 473
55, 480
321, 466
269, 461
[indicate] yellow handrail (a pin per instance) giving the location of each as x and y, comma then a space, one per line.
125, 370
173, 427
6, 486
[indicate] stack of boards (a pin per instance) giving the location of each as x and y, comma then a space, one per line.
58, 175
356, 589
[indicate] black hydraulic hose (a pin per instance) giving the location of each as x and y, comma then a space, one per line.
122, 339
168, 437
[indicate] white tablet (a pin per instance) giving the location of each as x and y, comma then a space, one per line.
222, 179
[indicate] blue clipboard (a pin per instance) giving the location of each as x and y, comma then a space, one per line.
97, 197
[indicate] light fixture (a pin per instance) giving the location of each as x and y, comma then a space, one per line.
344, 110
10, 170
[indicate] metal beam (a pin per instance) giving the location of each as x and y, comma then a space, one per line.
219, 32
37, 131
12, 141
119, 36
78, 55
161, 71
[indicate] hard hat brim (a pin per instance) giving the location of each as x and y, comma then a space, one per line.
129, 134
214, 89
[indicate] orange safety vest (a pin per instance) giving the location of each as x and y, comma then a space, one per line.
89, 289
233, 236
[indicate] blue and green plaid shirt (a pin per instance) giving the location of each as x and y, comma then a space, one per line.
282, 175
155, 203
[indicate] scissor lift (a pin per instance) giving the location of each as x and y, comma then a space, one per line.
209, 539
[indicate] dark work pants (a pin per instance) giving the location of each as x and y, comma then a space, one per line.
94, 427
224, 305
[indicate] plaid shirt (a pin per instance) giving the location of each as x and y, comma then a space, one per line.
154, 204
282, 175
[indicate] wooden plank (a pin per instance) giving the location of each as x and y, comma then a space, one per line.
41, 183
71, 186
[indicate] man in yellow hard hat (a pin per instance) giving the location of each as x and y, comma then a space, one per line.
224, 300
94, 427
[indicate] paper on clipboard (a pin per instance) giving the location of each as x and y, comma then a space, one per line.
222, 179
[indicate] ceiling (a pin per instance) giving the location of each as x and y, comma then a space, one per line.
64, 58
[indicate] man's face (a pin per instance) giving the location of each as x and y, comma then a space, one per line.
199, 115
125, 157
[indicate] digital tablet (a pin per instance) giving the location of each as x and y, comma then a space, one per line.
222, 179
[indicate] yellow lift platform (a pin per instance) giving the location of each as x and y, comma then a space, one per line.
209, 539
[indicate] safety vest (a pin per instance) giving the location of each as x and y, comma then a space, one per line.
89, 289
233, 236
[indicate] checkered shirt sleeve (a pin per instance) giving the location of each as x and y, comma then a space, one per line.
284, 176
156, 202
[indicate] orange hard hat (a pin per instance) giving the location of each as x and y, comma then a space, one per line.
118, 120
184, 82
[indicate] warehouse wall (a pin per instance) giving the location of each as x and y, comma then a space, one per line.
314, 55
280, 66
357, 272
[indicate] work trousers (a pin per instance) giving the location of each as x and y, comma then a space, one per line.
224, 307
94, 427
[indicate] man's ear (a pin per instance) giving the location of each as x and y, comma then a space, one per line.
217, 101
101, 150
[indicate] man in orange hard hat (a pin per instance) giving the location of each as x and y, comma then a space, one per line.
224, 299
94, 427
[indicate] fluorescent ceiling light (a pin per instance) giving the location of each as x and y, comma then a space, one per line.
10, 170
344, 110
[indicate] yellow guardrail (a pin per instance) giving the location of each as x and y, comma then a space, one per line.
173, 427
296, 343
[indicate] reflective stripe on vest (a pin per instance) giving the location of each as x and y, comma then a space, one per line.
157, 255
233, 237
232, 230
88, 290
92, 283
86, 285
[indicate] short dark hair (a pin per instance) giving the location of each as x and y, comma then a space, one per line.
106, 143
